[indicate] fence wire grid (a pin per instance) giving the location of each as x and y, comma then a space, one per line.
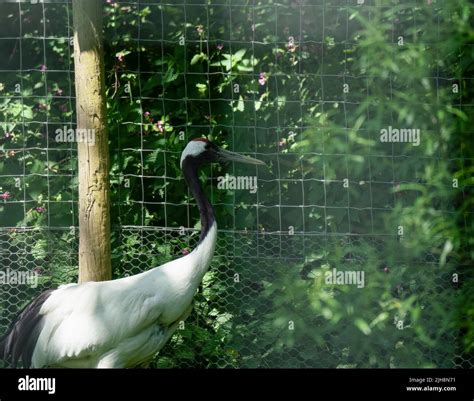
257, 76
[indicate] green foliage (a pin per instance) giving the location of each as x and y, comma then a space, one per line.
272, 82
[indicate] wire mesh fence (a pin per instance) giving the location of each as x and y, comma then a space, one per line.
263, 78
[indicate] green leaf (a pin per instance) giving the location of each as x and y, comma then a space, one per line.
39, 249
239, 54
170, 75
240, 104
363, 326
227, 64
195, 59
198, 57
380, 318
27, 113
122, 53
202, 88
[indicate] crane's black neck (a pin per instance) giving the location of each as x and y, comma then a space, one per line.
190, 170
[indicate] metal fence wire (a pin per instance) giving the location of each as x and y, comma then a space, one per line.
256, 75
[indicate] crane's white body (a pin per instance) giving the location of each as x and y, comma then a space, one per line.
124, 322
120, 323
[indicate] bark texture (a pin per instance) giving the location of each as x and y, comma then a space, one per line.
93, 159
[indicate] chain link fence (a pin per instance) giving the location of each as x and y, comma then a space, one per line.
256, 76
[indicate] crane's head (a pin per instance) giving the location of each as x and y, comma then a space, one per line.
202, 151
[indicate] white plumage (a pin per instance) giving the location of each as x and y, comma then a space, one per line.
124, 322
85, 325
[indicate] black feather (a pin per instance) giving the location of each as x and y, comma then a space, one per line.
18, 343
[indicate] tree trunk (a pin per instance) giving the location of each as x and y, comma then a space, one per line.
92, 146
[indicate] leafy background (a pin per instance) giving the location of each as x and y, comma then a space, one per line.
265, 78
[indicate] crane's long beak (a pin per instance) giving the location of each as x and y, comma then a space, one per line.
226, 155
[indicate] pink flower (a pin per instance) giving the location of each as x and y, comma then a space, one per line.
120, 58
200, 29
160, 126
262, 78
5, 195
386, 269
185, 251
146, 114
8, 135
59, 92
220, 46
290, 46
43, 68
40, 209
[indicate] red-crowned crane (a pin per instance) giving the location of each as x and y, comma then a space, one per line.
125, 322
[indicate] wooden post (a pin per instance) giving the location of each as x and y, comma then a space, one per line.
92, 146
